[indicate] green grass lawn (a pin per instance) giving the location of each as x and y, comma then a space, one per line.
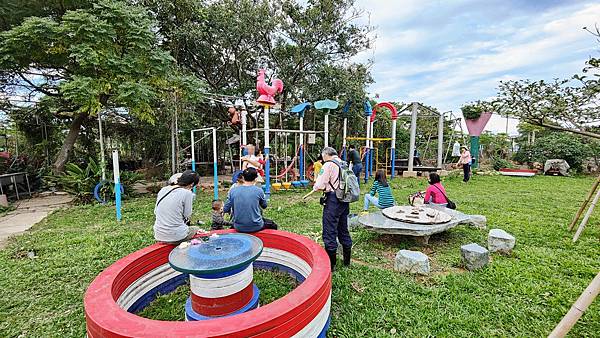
524, 294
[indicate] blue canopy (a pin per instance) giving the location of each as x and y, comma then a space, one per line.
368, 108
301, 108
346, 108
326, 104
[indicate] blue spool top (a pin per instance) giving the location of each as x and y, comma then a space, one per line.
300, 108
326, 104
226, 252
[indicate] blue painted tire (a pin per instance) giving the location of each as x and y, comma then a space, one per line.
97, 191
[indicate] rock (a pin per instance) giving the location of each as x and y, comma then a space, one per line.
412, 262
556, 167
474, 256
478, 221
500, 241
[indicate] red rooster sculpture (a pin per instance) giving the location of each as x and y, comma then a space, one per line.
265, 91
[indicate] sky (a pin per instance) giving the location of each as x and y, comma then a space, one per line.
448, 53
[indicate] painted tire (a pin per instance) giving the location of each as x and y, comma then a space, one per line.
132, 282
99, 186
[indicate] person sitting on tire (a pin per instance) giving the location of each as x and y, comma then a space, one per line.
173, 210
248, 200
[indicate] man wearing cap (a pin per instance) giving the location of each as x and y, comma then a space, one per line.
173, 210
335, 212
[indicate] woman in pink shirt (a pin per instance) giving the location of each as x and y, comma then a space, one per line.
435, 193
465, 159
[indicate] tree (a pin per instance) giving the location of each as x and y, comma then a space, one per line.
85, 61
555, 105
306, 45
591, 72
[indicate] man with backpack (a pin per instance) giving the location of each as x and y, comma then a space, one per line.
340, 187
173, 209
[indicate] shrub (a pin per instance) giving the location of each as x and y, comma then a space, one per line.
559, 145
499, 163
471, 111
80, 181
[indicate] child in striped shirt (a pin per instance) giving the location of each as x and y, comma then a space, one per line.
382, 189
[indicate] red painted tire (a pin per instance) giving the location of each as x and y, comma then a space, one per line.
131, 282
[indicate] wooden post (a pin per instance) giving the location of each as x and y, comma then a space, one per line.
586, 217
587, 200
582, 303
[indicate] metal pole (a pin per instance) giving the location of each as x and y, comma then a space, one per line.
173, 171
440, 151
117, 179
176, 134
193, 155
413, 136
326, 128
344, 155
215, 172
301, 150
267, 150
393, 148
371, 152
102, 162
244, 135
367, 149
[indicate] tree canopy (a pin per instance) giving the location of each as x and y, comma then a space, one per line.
104, 56
556, 105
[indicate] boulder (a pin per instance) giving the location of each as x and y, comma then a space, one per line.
556, 167
474, 256
412, 262
478, 221
500, 241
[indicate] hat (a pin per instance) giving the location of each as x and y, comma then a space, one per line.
173, 179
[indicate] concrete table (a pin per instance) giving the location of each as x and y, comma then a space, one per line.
377, 222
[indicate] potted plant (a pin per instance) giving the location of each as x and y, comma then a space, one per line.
476, 117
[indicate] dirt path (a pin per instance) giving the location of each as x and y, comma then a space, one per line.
29, 212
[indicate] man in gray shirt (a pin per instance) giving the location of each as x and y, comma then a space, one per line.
173, 209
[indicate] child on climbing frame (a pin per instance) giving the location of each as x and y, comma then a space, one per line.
218, 221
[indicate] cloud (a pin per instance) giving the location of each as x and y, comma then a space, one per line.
449, 53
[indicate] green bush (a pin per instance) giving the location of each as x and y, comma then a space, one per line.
559, 145
80, 181
499, 163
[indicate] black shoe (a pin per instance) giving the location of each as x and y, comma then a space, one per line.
347, 255
332, 259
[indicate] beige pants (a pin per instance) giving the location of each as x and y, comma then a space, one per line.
192, 230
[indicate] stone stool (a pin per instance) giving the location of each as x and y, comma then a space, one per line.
500, 241
412, 262
474, 256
